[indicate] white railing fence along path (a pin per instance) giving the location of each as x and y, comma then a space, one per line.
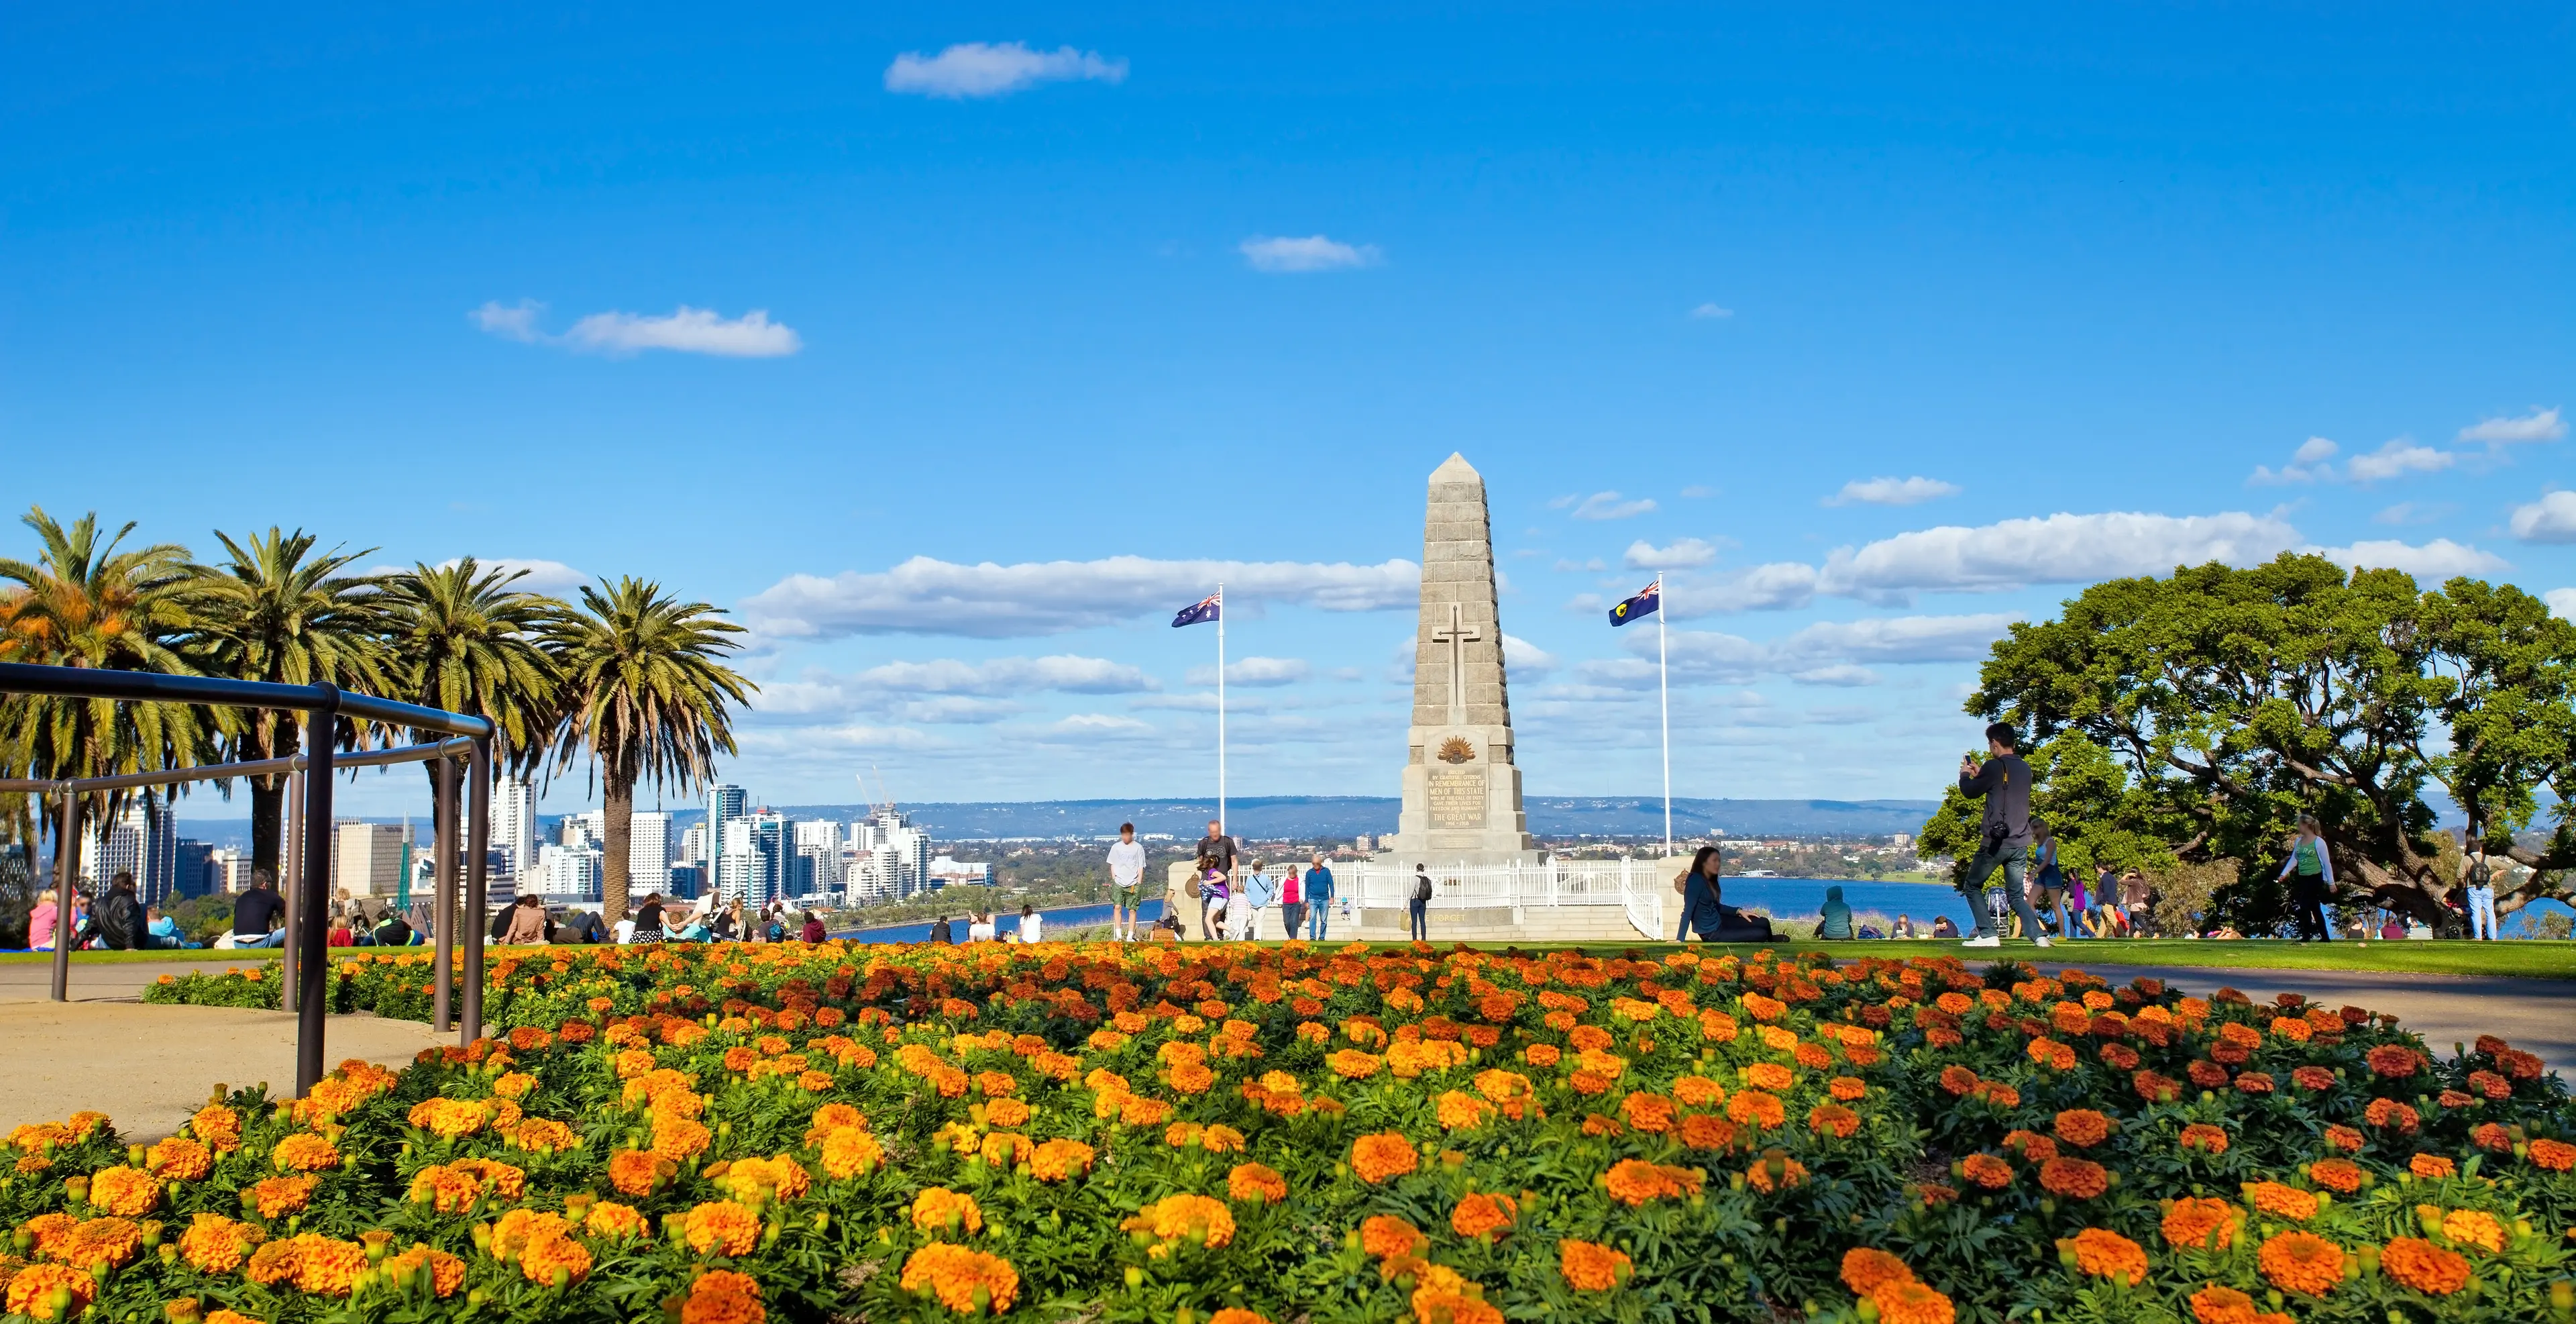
1638, 886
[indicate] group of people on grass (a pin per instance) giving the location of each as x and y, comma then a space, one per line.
118, 921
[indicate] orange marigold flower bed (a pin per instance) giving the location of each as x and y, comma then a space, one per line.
2427, 1268
2083, 1127
2297, 1261
1383, 1157
2100, 1253
1481, 1215
1590, 1267
2200, 1223
964, 1281
2076, 1179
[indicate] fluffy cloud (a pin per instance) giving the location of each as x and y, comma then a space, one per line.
1777, 586
2438, 559
1825, 653
1526, 658
989, 601
2550, 519
1683, 554
1841, 673
1603, 506
982, 69
1891, 491
538, 576
1067, 672
1710, 312
2306, 466
1898, 639
1312, 253
1255, 671
2538, 425
516, 322
2057, 549
2561, 601
688, 331
2397, 459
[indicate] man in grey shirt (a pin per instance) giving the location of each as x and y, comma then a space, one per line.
2004, 784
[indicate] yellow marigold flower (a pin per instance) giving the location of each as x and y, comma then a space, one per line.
305, 1152
514, 1085
965, 1281
218, 1126
1590, 1267
276, 1197
721, 1227
100, 1243
1175, 1218
1352, 1064
939, 1209
449, 1118
1007, 1112
680, 1139
180, 1159
216, 1244
128, 1192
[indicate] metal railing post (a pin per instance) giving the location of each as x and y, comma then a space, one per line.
478, 847
312, 936
290, 874
66, 870
443, 894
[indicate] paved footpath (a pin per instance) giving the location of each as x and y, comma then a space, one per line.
149, 1067
2535, 1015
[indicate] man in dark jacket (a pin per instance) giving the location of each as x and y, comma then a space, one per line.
2004, 783
942, 932
120, 916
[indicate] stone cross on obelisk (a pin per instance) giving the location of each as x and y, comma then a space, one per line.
1462, 792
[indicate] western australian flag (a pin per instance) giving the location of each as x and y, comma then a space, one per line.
1644, 604
1205, 609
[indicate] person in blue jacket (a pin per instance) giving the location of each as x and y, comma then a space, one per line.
1260, 893
1319, 899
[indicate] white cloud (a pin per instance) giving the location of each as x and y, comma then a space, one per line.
1683, 554
515, 322
688, 331
1255, 671
1099, 724
2306, 466
1841, 673
1891, 492
989, 601
2550, 519
2438, 559
2397, 459
1825, 653
2412, 512
2538, 425
2058, 549
1569, 566
2562, 601
1605, 506
982, 69
1067, 672
1526, 658
1898, 638
1777, 586
541, 576
1696, 491
1710, 311
1312, 253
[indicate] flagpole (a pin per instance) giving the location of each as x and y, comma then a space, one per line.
1220, 708
1664, 699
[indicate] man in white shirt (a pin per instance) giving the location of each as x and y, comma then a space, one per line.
1126, 883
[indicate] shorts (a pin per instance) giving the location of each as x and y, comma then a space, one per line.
1125, 893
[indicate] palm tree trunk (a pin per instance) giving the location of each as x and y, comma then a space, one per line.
617, 802
271, 737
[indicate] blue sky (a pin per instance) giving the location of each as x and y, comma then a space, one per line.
1049, 284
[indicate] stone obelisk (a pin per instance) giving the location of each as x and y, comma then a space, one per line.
1462, 792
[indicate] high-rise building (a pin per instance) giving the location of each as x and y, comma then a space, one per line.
566, 875
724, 804
592, 824
648, 853
142, 841
229, 870
195, 876
368, 859
514, 823
693, 846
748, 870
896, 861
818, 859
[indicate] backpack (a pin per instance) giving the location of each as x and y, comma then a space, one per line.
2478, 874
1422, 887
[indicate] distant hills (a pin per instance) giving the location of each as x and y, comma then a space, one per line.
1314, 816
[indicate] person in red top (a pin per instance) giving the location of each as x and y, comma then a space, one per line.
813, 931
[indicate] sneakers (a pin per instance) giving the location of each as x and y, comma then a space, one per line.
1983, 942
2043, 940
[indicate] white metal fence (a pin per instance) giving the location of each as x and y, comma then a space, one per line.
1638, 886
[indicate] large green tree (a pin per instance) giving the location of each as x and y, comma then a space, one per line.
87, 600
2234, 700
645, 698
465, 641
277, 611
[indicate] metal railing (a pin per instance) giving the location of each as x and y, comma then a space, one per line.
1637, 886
307, 984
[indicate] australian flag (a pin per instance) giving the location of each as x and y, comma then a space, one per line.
1642, 605
1205, 609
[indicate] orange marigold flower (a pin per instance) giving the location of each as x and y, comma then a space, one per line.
100, 1243
1059, 1160
1769, 1076
1385, 1236
1912, 1302
849, 1151
216, 1244
2200, 1223
1704, 1131
1986, 1170
2343, 1138
2337, 1175
1352, 1064
1775, 1172
2297, 1261
305, 1152
938, 1209
1958, 1080
965, 1281
1255, 1183
2076, 1179
276, 1197
2554, 1155
2204, 1137
2105, 1254
722, 1296
1756, 1109
2051, 1054
2222, 1305
1176, 1218
180, 1159
2474, 1227
721, 1227
2281, 1201
556, 1260
1590, 1267
1847, 1089
2432, 1167
1833, 1119
635, 1171
1481, 1215
2083, 1127
2427, 1268
1865, 1271
1461, 1112
1635, 1181
32, 1291
1380, 1157
611, 1219
126, 1192
2394, 1061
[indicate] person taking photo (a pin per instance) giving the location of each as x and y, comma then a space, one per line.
2003, 782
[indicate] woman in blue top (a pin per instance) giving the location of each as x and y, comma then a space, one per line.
1834, 922
2051, 880
1699, 896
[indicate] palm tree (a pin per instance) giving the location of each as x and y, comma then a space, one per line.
85, 603
465, 641
645, 694
276, 612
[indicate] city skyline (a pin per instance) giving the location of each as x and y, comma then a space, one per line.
1874, 336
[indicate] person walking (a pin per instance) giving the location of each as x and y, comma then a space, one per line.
2003, 782
1215, 895
1126, 883
1216, 852
2137, 896
2310, 873
1319, 898
1419, 905
256, 911
1260, 891
2056, 898
2477, 878
1292, 903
